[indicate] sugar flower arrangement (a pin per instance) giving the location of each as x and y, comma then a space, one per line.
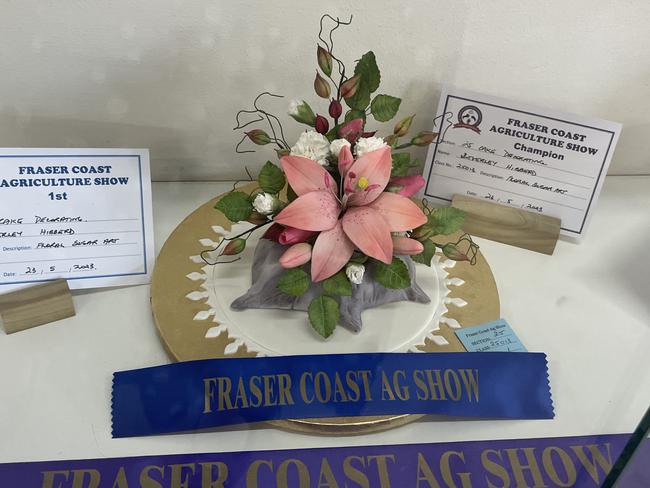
339, 200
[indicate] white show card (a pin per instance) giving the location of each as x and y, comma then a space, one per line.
513, 154
79, 214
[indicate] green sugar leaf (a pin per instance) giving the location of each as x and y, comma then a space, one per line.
369, 71
271, 178
394, 275
324, 315
236, 206
338, 285
385, 107
447, 220
294, 282
426, 255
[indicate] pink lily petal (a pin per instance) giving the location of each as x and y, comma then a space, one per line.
406, 246
296, 255
407, 186
305, 175
399, 212
291, 235
316, 210
375, 166
369, 232
332, 250
345, 160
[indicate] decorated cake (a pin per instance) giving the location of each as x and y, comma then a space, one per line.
339, 230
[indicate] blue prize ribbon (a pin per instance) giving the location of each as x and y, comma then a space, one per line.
215, 392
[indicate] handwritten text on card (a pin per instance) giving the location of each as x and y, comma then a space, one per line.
82, 215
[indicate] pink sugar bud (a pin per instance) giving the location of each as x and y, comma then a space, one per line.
452, 252
291, 235
351, 130
403, 126
349, 88
259, 137
296, 255
335, 109
406, 246
321, 86
234, 247
322, 125
424, 138
345, 160
324, 58
407, 186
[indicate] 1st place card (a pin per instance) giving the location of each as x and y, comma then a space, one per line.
535, 159
79, 214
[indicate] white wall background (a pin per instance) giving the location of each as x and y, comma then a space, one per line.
170, 75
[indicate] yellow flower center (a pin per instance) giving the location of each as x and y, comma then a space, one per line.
363, 182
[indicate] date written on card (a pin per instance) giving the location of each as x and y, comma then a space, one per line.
79, 214
512, 154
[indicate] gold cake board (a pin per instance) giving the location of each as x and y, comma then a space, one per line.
183, 337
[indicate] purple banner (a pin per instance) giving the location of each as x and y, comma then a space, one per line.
565, 461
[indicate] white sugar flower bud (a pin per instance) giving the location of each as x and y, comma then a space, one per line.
302, 112
265, 203
293, 107
368, 144
355, 272
336, 145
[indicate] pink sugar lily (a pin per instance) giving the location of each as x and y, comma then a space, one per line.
359, 214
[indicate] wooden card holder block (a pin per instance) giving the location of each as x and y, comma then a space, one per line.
36, 305
508, 225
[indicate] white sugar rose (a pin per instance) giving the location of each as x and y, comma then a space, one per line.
265, 203
312, 145
355, 272
368, 144
336, 145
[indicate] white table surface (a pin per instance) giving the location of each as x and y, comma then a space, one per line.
587, 307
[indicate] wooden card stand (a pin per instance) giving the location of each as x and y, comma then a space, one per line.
508, 225
37, 305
